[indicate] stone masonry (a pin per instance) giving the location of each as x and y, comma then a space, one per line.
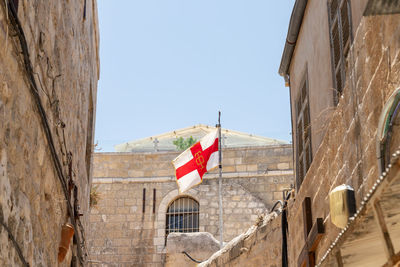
348, 150
260, 245
60, 44
200, 245
122, 234
347, 154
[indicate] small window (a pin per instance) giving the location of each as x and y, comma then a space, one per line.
183, 216
340, 35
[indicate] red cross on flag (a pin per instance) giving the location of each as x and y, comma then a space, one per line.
194, 162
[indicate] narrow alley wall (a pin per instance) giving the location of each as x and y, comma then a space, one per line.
348, 152
49, 68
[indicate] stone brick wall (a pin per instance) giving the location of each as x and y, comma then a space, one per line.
347, 153
311, 61
258, 246
63, 51
199, 246
121, 233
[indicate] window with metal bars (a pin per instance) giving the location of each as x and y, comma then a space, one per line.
303, 133
339, 14
182, 216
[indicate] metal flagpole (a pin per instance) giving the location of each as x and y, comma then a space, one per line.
221, 226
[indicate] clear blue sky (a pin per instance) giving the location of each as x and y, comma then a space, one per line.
170, 64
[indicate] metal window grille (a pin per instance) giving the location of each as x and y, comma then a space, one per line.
303, 133
183, 216
339, 15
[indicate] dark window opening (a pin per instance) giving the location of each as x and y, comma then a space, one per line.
154, 200
84, 9
144, 200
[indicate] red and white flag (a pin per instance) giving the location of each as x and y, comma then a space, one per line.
194, 162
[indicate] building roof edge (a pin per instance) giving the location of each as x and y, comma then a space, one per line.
296, 20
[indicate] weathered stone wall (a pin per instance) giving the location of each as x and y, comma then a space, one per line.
199, 246
121, 233
260, 245
63, 51
257, 163
311, 62
312, 59
348, 151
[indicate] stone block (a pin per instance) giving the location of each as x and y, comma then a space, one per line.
122, 210
131, 217
203, 202
228, 168
148, 225
95, 218
160, 232
94, 210
278, 195
124, 251
241, 168
242, 204
231, 204
237, 211
283, 166
252, 205
159, 241
116, 218
130, 201
122, 242
236, 198
228, 161
252, 168
214, 205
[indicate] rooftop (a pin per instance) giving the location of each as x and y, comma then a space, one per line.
164, 142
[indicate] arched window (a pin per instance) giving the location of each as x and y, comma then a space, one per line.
183, 216
388, 134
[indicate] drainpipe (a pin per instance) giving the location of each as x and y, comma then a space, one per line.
294, 28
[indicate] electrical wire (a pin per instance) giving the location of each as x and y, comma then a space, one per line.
14, 242
190, 257
276, 205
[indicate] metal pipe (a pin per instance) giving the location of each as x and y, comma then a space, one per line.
221, 224
190, 257
293, 32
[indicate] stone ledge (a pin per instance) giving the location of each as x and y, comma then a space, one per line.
109, 180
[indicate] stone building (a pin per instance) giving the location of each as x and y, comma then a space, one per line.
341, 62
344, 77
140, 204
49, 68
